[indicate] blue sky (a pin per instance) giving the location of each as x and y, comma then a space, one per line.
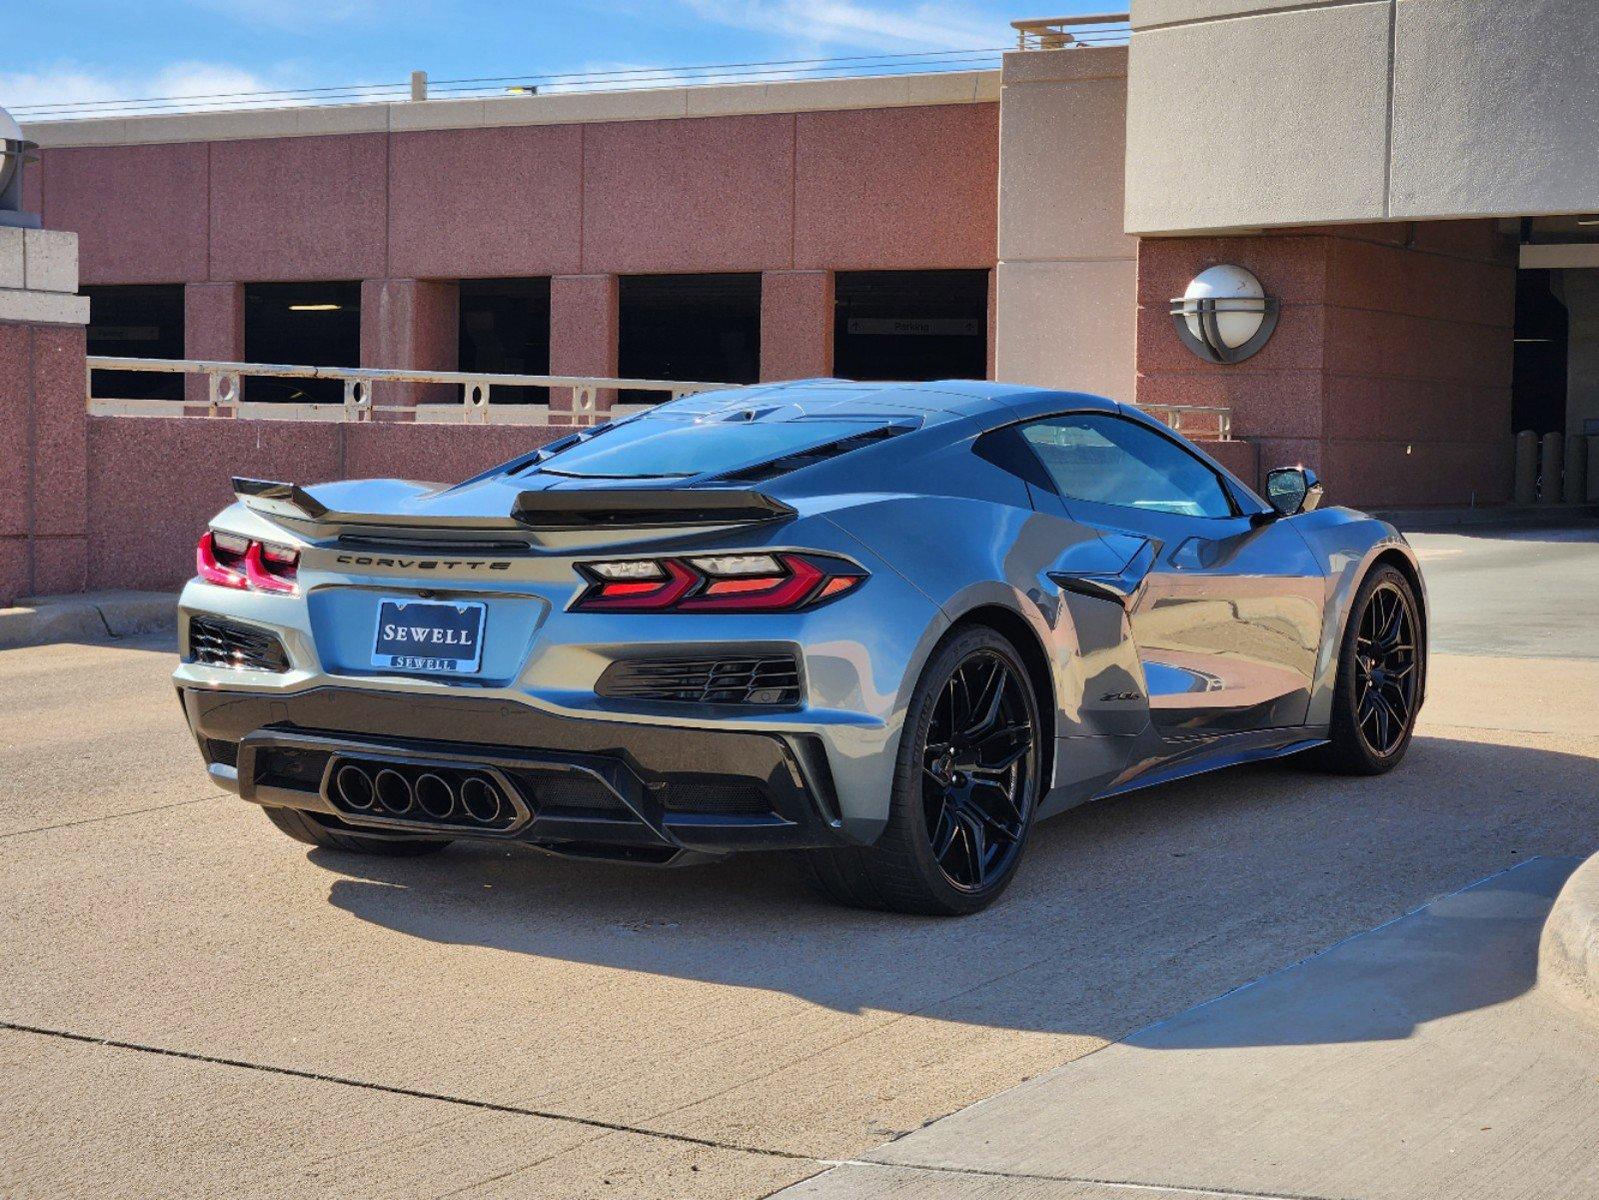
75, 50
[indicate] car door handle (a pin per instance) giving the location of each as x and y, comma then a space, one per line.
1120, 586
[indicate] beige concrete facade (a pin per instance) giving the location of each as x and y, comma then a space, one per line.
1358, 110
1067, 276
39, 277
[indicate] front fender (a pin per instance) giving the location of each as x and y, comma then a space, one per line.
1347, 543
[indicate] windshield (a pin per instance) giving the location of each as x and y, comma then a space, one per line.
657, 448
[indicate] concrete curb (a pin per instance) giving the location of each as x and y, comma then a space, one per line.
1568, 951
89, 617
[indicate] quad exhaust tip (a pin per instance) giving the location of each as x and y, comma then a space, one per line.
394, 792
481, 799
354, 787
435, 796
459, 798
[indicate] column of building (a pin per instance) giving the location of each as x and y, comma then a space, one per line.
43, 419
796, 324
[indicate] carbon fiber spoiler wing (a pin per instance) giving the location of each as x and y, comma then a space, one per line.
579, 508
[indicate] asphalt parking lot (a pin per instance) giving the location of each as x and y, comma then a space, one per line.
194, 1005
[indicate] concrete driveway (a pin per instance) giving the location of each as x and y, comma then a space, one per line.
193, 1005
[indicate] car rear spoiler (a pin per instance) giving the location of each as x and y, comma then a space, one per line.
273, 499
612, 508
579, 508
291, 504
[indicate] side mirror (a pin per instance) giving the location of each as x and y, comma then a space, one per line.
1292, 490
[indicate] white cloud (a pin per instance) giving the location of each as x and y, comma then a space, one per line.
34, 94
847, 24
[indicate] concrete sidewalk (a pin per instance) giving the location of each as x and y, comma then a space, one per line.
87, 617
1416, 1060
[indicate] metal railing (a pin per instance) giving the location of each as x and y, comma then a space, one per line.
419, 88
1200, 422
226, 395
1064, 33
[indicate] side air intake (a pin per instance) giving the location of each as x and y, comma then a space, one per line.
214, 642
772, 680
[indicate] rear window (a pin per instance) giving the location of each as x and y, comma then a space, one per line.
657, 448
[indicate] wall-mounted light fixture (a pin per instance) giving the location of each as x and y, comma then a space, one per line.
315, 307
15, 153
1224, 316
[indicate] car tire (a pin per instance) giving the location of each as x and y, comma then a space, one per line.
308, 829
903, 871
1362, 739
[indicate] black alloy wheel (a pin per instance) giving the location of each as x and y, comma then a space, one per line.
1382, 672
977, 771
1387, 660
966, 784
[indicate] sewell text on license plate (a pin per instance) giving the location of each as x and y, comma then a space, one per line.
429, 635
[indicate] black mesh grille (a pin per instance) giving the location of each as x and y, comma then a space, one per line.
220, 643
719, 798
282, 766
764, 681
219, 751
557, 792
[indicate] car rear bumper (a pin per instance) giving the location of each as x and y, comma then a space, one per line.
577, 786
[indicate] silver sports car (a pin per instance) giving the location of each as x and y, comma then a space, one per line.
885, 626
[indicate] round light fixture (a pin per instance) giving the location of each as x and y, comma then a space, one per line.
15, 150
12, 147
1224, 315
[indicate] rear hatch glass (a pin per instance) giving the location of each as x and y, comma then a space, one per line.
663, 448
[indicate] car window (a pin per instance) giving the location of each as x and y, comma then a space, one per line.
1109, 460
676, 447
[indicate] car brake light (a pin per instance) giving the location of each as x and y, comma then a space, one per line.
271, 569
230, 561
216, 564
726, 583
675, 582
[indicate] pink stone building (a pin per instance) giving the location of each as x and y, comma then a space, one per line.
1412, 186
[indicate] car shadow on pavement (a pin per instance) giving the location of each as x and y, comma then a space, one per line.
1124, 911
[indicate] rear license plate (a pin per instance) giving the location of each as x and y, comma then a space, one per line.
429, 635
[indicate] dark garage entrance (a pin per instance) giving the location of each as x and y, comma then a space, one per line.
505, 330
1538, 387
136, 321
911, 324
691, 327
302, 324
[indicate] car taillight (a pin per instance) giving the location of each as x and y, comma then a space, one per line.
230, 561
719, 583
